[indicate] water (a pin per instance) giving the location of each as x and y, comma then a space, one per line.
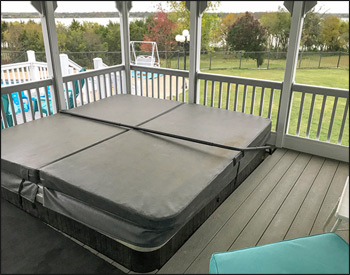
67, 21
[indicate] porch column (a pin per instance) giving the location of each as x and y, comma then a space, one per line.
196, 10
297, 10
46, 10
124, 8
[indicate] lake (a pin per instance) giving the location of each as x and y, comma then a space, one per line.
67, 21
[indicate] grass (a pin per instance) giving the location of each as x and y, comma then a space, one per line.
336, 78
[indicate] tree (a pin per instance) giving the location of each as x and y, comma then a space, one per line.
210, 22
331, 33
310, 37
225, 25
277, 25
3, 29
160, 30
246, 34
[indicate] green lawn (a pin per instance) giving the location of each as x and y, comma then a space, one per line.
337, 78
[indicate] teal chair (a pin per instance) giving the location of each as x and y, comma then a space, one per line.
5, 102
318, 254
70, 97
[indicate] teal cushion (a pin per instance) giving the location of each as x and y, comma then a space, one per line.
319, 254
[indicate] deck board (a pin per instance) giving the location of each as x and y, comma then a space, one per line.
289, 195
307, 214
231, 230
197, 242
284, 217
263, 216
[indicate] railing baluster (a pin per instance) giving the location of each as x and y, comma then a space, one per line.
110, 84
21, 106
147, 83
135, 79
81, 92
262, 100
158, 86
31, 104
99, 87
87, 89
18, 76
212, 92
236, 98
23, 75
141, 82
29, 78
220, 94
310, 115
12, 108
105, 85
205, 101
38, 101
66, 94
121, 91
73, 95
321, 117
177, 88
300, 112
164, 86
171, 87
183, 89
152, 84
244, 98
114, 82
332, 119
13, 77
93, 88
253, 101
228, 95
343, 121
271, 102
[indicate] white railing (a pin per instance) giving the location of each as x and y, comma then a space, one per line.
22, 102
159, 82
318, 119
95, 85
241, 94
319, 122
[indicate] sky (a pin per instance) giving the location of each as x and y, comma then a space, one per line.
225, 6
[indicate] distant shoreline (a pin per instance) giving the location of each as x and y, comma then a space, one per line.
8, 15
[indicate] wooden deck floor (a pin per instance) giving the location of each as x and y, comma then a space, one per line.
289, 195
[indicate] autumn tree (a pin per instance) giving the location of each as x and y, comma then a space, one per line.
331, 33
246, 34
160, 30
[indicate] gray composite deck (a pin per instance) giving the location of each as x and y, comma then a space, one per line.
289, 195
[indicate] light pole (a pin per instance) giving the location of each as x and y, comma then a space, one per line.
183, 40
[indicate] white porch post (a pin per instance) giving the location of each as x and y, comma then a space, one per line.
124, 8
196, 10
46, 10
289, 73
34, 71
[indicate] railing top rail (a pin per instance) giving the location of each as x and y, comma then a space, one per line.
160, 70
312, 89
26, 86
39, 63
241, 80
14, 65
73, 64
92, 73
